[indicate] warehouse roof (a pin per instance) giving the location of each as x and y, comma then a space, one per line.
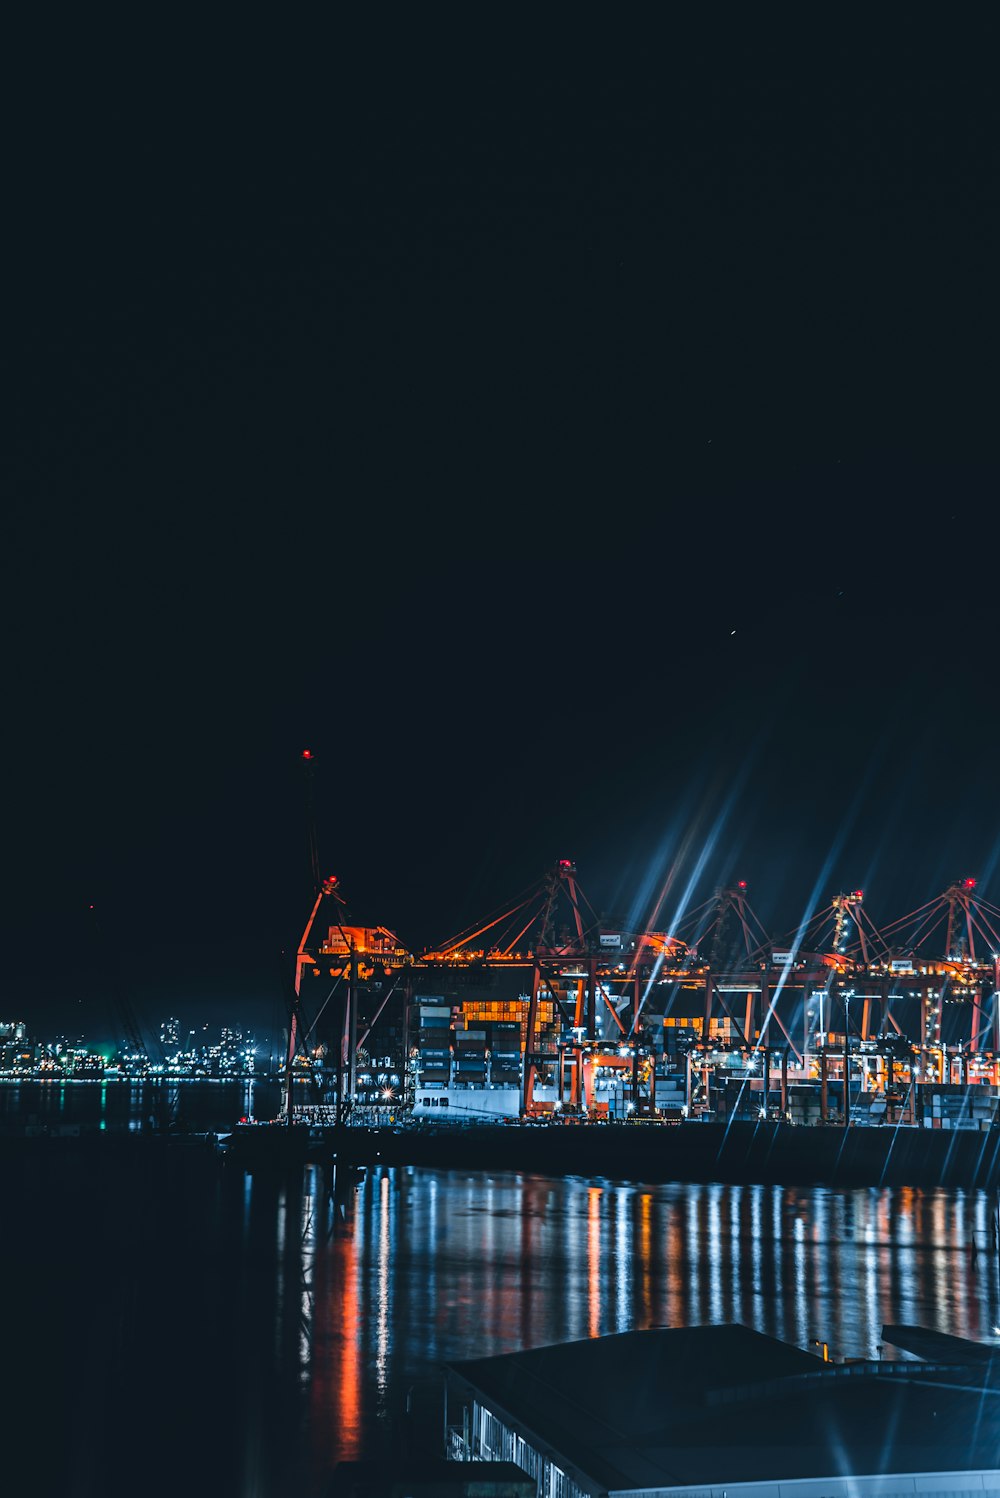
726, 1404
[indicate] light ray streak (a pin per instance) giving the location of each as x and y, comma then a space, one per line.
707, 849
824, 875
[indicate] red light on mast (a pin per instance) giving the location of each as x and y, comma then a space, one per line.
968, 884
742, 884
857, 894
307, 754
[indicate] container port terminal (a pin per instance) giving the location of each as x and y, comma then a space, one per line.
546, 1012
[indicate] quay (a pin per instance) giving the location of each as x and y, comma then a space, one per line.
735, 1151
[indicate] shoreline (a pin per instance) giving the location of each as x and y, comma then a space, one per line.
738, 1152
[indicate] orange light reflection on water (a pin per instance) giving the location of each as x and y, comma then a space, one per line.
594, 1261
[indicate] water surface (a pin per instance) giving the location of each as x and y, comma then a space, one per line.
231, 1333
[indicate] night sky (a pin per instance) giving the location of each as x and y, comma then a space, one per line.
581, 464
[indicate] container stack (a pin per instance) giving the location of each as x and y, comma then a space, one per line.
947, 1106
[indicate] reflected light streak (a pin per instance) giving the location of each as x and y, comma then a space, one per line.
594, 1261
622, 1259
384, 1289
779, 1261
715, 1253
941, 1236
431, 1290
308, 1261
646, 1219
801, 1298
349, 1379
693, 1308
282, 1220
573, 1299
736, 1253
871, 1299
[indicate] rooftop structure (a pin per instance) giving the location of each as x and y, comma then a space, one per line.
712, 1409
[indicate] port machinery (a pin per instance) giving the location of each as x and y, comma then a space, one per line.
914, 1001
594, 979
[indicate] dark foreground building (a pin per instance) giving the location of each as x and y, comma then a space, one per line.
426, 1478
726, 1412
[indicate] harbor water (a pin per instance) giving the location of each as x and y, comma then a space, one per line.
175, 1324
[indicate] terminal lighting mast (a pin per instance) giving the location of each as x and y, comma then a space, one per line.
308, 763
847, 919
960, 940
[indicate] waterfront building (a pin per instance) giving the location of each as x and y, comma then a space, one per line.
727, 1412
170, 1034
17, 1054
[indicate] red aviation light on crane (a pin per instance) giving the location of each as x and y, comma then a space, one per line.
968, 884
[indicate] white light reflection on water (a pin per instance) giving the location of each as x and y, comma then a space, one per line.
777, 1266
621, 1200
734, 1311
310, 1207
801, 1333
716, 1235
873, 1319
384, 1288
692, 1239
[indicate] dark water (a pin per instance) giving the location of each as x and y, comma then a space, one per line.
124, 1105
169, 1318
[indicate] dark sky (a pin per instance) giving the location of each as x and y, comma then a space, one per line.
579, 465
